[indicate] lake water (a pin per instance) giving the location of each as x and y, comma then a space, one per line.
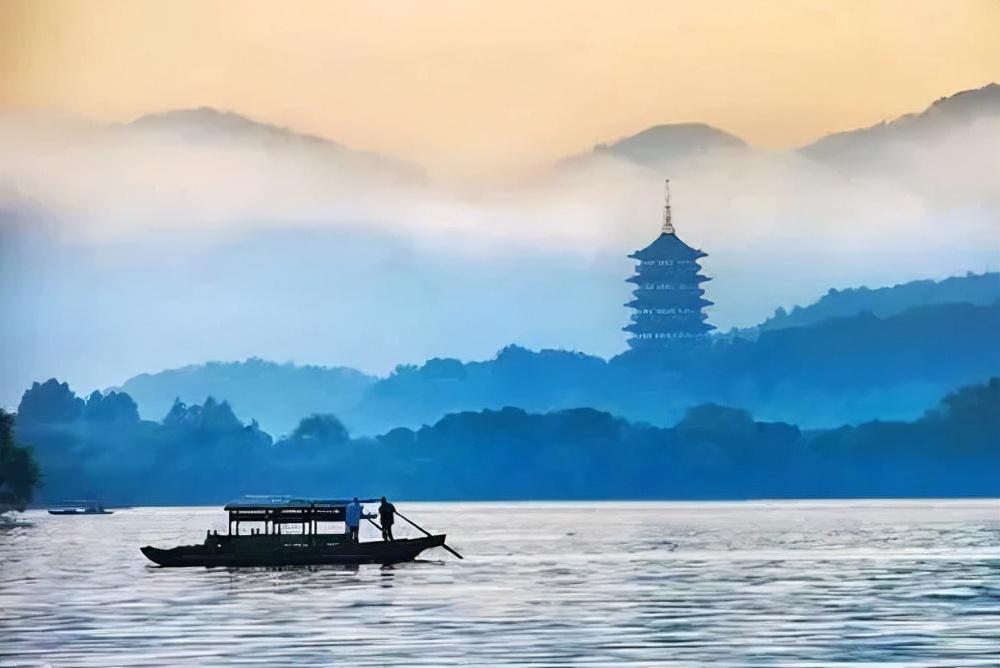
886, 583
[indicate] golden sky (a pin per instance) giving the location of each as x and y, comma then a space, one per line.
463, 82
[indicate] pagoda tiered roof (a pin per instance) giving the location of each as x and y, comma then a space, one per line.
668, 247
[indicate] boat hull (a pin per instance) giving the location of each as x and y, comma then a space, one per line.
73, 511
376, 552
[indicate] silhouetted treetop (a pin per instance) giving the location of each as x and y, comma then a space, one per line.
279, 395
202, 453
713, 417
212, 416
110, 407
319, 429
50, 402
975, 404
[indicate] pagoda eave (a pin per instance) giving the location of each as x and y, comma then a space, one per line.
653, 277
689, 327
668, 301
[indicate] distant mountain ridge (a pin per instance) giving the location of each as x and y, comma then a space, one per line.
841, 370
670, 141
278, 395
981, 289
945, 114
650, 147
208, 122
653, 147
659, 145
885, 367
210, 125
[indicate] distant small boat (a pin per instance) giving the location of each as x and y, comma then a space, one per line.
271, 547
87, 507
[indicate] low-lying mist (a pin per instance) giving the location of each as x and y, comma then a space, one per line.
129, 249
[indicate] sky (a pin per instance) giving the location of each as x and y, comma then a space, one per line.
480, 87
125, 251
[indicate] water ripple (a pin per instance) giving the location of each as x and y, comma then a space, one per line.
904, 584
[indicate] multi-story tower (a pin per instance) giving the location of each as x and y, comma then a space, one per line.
668, 296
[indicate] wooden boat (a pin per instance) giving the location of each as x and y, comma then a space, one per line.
87, 507
274, 545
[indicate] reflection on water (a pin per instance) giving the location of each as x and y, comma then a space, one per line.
914, 583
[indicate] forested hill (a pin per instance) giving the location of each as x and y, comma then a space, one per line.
276, 394
204, 454
843, 370
840, 370
972, 288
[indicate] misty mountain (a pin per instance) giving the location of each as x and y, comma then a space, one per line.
208, 126
203, 236
656, 145
954, 113
662, 146
277, 395
981, 289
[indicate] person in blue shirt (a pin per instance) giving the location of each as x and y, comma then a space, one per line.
355, 513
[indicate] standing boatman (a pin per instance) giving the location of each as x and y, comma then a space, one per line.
355, 511
386, 517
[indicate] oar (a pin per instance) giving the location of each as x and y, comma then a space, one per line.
428, 533
374, 523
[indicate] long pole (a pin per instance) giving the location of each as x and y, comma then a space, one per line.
428, 533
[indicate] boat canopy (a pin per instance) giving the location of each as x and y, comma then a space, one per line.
289, 510
264, 502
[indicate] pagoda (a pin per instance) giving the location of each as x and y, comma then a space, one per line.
669, 301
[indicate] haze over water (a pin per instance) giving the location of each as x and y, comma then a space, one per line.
838, 583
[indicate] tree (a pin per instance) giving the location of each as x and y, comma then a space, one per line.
177, 416
218, 417
716, 418
49, 402
110, 407
320, 429
19, 473
212, 417
976, 405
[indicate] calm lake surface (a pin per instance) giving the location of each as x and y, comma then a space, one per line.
858, 583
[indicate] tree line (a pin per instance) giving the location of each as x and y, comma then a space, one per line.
203, 453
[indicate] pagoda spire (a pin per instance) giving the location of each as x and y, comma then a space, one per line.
668, 225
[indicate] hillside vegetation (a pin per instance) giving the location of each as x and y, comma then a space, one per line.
854, 355
981, 289
204, 454
277, 394
843, 370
